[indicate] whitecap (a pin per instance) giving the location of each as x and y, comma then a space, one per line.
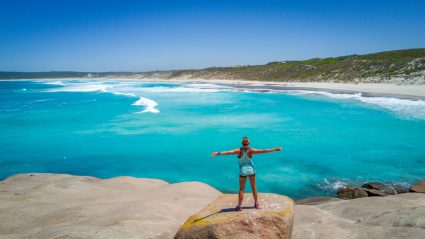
148, 103
81, 88
174, 89
54, 82
42, 100
324, 93
207, 86
405, 108
130, 89
121, 93
333, 184
414, 109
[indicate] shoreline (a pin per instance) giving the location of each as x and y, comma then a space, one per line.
408, 92
301, 200
314, 198
412, 92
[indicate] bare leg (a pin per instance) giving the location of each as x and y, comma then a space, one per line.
242, 181
253, 187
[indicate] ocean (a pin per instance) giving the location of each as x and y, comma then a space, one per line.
166, 130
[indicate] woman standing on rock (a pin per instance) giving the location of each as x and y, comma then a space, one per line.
246, 168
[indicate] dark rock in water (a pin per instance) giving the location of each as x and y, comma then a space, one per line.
351, 193
375, 192
399, 188
316, 200
377, 186
419, 187
383, 189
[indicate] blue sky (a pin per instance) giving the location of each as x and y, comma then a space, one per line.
158, 35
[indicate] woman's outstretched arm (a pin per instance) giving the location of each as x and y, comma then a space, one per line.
261, 151
235, 151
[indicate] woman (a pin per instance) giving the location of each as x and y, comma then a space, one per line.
246, 168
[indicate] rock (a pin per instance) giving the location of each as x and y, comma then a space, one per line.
378, 189
394, 216
351, 193
375, 185
42, 206
419, 187
399, 188
384, 189
316, 200
219, 219
374, 192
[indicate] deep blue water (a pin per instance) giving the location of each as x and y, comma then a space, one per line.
112, 128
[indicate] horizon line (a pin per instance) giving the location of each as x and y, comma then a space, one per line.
188, 69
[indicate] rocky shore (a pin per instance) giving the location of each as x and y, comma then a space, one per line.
66, 206
372, 189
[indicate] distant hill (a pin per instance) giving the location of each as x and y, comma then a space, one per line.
400, 66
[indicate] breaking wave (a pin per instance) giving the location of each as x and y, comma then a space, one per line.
405, 108
148, 103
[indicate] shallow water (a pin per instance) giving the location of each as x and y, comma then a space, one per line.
168, 131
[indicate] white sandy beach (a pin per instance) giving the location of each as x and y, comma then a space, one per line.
378, 89
372, 89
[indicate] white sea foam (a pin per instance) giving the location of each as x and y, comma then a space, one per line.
81, 87
54, 82
207, 86
176, 89
148, 103
324, 93
121, 93
42, 100
9, 110
405, 108
333, 184
130, 89
402, 107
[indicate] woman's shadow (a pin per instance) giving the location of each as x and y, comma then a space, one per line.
224, 210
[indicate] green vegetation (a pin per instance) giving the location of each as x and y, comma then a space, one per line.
381, 66
377, 67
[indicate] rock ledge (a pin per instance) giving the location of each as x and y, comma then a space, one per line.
57, 206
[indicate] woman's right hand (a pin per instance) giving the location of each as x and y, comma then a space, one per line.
278, 148
214, 154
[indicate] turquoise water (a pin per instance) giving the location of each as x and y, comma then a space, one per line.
168, 131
